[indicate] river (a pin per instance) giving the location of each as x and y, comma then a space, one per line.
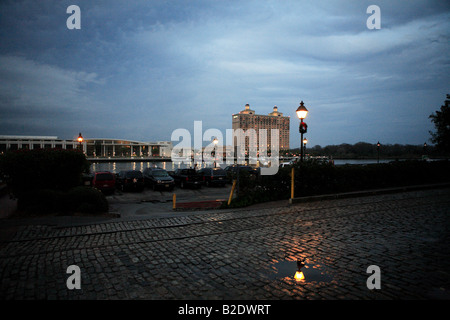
115, 167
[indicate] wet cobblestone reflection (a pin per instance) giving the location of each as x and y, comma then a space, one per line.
243, 254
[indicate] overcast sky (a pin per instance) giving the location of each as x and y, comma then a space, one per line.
141, 69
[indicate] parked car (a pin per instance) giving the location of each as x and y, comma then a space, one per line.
213, 176
158, 178
130, 180
285, 164
187, 177
105, 181
233, 169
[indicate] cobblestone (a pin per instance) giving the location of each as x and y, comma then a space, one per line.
230, 254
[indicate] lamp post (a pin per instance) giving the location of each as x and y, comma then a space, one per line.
378, 151
425, 155
80, 141
215, 141
305, 141
301, 114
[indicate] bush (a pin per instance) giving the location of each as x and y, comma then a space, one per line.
317, 179
42, 169
76, 200
48, 181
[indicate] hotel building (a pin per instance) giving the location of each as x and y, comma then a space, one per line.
248, 119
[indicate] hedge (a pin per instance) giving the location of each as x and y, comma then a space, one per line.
319, 179
49, 181
53, 169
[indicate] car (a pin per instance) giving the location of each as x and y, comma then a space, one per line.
130, 180
213, 176
187, 177
233, 169
158, 178
285, 164
105, 181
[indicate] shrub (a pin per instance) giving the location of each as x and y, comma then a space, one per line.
42, 169
86, 199
316, 179
76, 200
48, 181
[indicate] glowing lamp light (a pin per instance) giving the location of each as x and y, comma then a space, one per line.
301, 111
80, 138
299, 276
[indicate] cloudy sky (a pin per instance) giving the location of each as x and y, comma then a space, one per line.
141, 69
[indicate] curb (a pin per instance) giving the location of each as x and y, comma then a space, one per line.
372, 192
198, 205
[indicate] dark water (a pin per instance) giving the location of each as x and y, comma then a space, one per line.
170, 166
338, 162
123, 165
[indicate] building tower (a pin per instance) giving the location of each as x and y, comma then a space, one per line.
248, 119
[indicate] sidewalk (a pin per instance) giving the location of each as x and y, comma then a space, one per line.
369, 192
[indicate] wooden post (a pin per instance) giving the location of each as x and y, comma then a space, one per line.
174, 201
292, 183
231, 193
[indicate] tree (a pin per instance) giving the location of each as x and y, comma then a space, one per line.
441, 120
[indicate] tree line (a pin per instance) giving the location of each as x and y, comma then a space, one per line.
364, 150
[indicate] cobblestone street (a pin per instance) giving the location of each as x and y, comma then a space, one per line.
243, 254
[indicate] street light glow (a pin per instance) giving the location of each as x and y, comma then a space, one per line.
301, 111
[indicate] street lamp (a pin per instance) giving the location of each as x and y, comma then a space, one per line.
301, 114
215, 141
378, 151
80, 141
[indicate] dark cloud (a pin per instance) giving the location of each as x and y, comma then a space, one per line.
141, 69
